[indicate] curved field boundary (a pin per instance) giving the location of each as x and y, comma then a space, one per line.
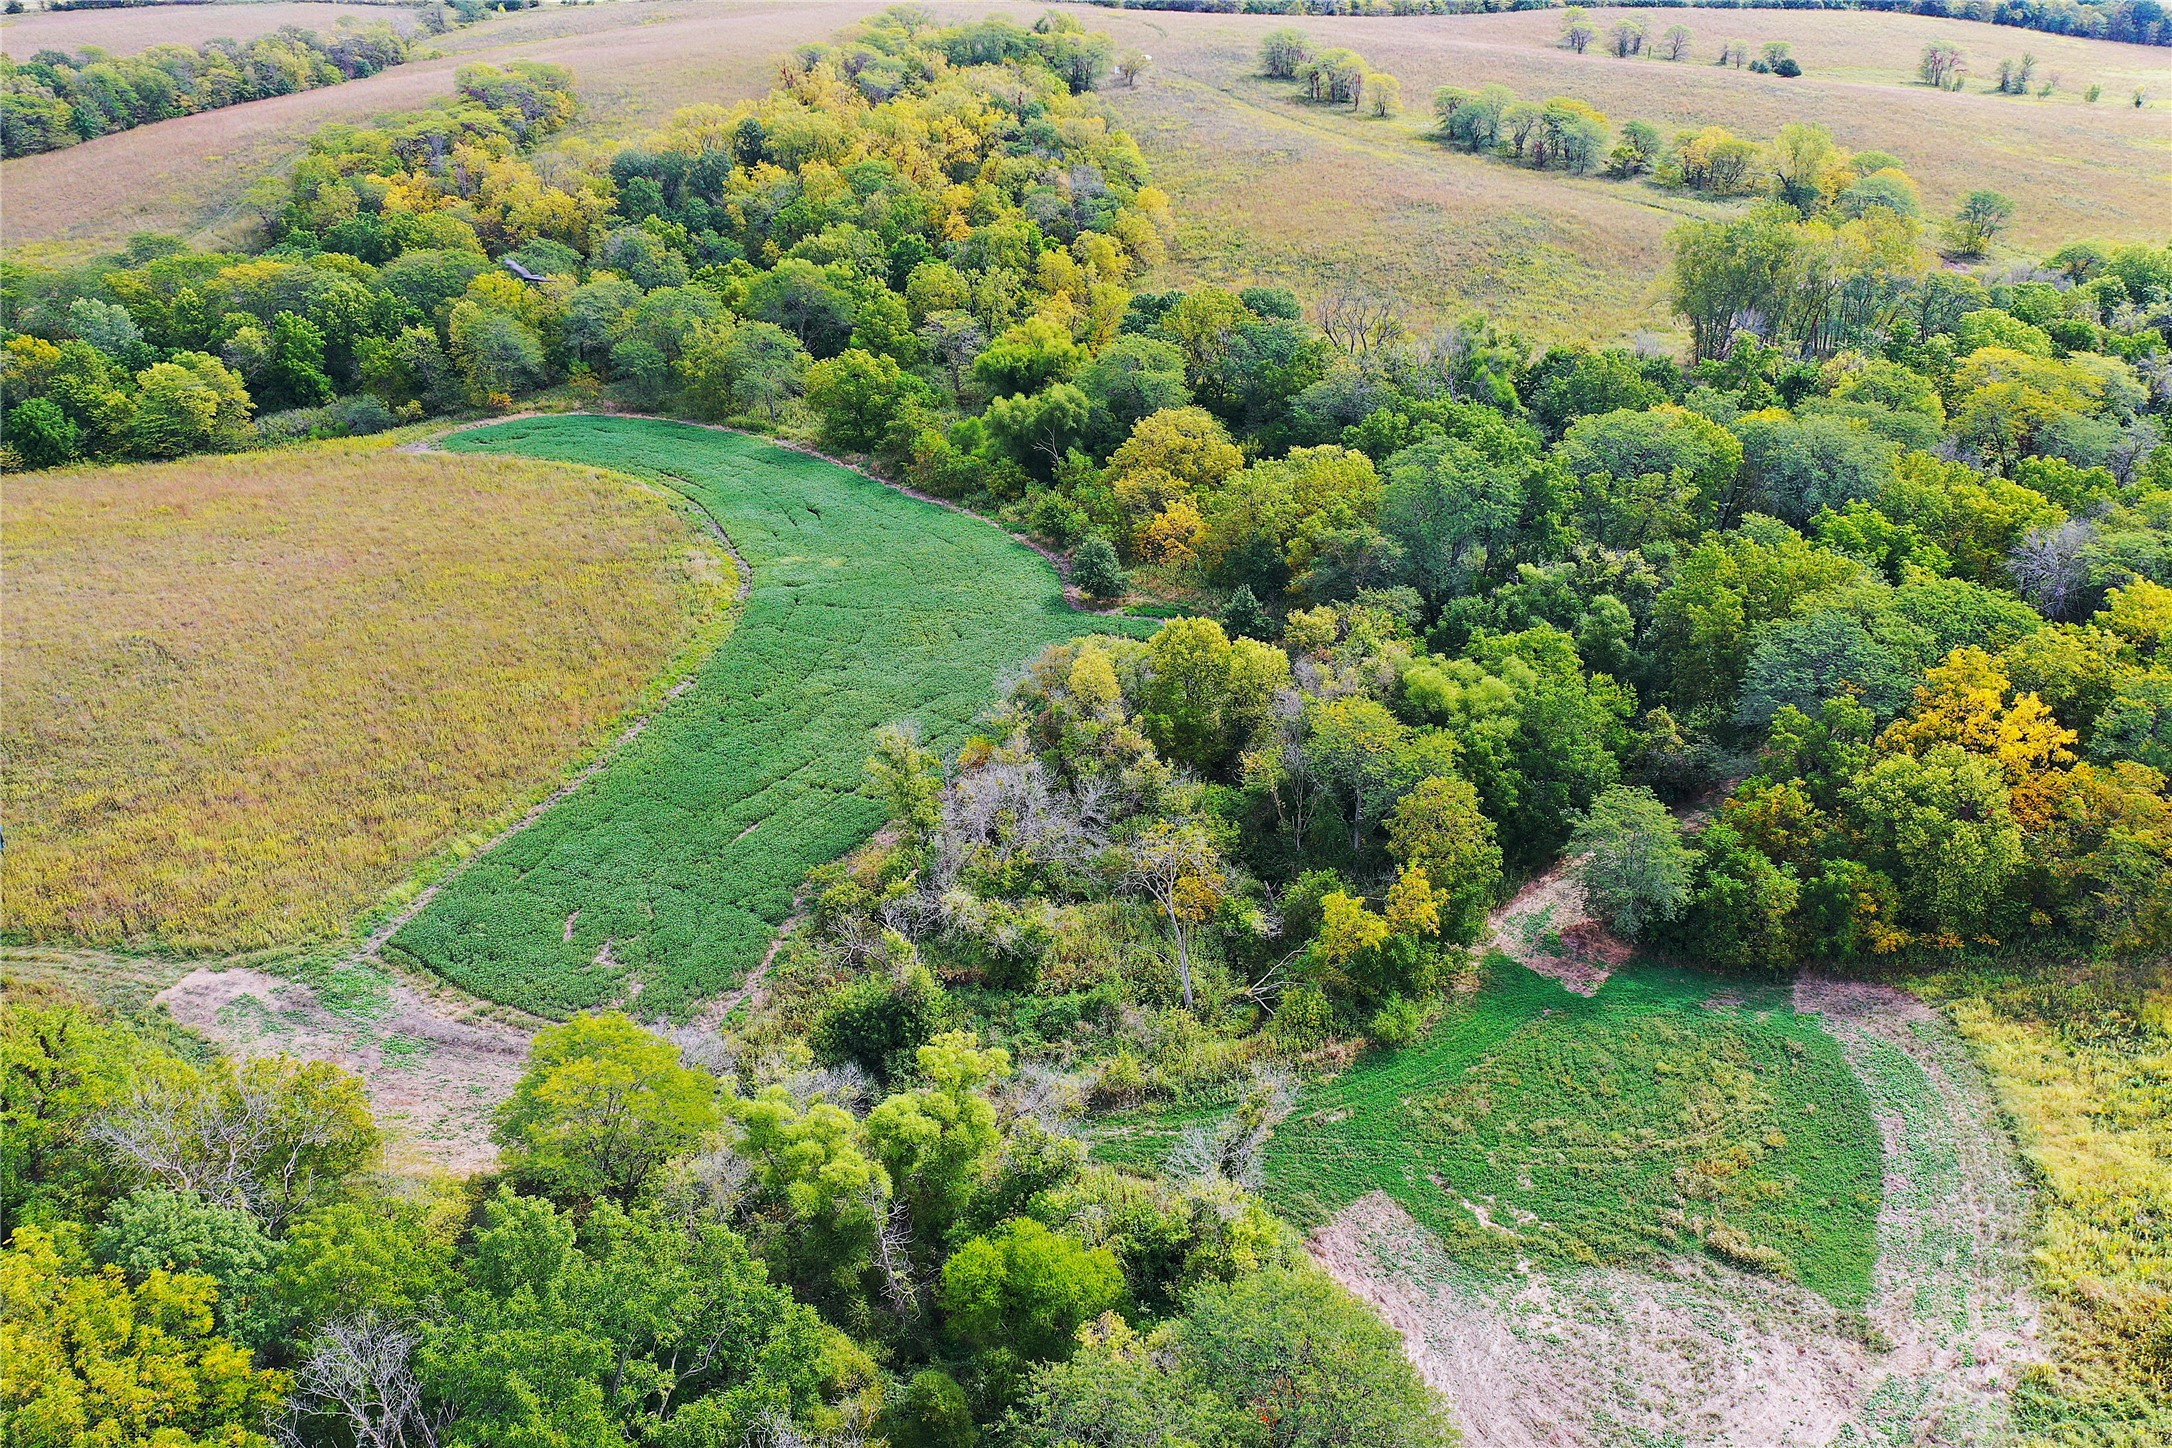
665, 874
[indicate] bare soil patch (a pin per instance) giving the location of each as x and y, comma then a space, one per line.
1548, 927
435, 1064
1695, 1352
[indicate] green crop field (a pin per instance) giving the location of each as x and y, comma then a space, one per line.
1535, 1123
669, 872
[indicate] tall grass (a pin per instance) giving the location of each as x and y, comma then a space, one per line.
243, 696
2081, 1057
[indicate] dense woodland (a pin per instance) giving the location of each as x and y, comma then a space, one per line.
1843, 636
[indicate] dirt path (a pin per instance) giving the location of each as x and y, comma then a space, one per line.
1693, 1352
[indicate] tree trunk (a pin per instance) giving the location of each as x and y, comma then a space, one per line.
1184, 955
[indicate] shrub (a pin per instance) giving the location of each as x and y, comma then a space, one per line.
879, 1021
1094, 568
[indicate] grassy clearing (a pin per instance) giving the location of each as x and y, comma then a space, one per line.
1538, 1125
2081, 1058
244, 696
1269, 187
668, 873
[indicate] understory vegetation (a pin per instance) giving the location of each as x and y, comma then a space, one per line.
1840, 640
741, 1250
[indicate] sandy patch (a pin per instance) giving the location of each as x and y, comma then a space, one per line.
435, 1069
1695, 1352
1549, 928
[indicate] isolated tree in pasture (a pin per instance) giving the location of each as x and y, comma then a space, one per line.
1733, 53
1982, 216
1383, 95
1577, 29
1776, 52
1675, 44
1941, 66
1283, 53
1628, 37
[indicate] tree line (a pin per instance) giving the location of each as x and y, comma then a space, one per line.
55, 99
2138, 22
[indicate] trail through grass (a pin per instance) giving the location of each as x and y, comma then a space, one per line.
665, 876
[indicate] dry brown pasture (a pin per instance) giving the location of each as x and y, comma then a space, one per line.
1267, 187
243, 697
125, 31
636, 62
1273, 188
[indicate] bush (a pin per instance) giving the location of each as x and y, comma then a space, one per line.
1094, 568
1786, 67
1400, 1022
878, 1022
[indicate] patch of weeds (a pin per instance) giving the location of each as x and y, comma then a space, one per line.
355, 993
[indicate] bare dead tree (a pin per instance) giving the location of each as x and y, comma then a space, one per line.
232, 1137
2050, 566
894, 1256
360, 1372
1234, 1148
1355, 317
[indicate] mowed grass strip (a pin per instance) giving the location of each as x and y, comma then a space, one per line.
1605, 1129
664, 878
245, 696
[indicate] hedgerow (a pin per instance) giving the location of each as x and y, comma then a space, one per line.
668, 874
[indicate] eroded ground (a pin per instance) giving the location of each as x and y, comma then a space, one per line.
435, 1065
1698, 1353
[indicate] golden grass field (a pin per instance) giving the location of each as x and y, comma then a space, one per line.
1267, 187
1272, 188
245, 696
